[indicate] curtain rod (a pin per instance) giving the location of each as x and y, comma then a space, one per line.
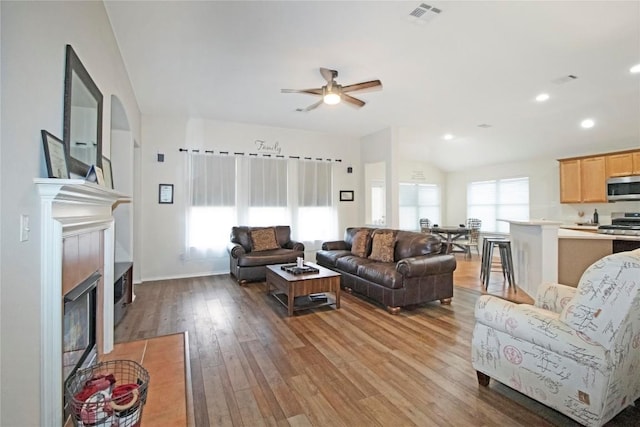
279, 156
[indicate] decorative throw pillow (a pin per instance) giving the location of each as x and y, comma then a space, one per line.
360, 243
383, 246
263, 239
605, 294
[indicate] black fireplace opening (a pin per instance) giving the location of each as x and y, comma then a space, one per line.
79, 327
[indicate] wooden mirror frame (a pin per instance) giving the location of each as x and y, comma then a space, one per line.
73, 65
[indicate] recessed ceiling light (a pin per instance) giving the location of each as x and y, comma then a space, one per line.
635, 69
587, 123
542, 97
447, 136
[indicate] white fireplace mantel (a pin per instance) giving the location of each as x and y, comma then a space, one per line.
69, 206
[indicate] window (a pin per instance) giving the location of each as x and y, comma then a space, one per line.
225, 191
315, 211
498, 199
267, 192
418, 201
211, 210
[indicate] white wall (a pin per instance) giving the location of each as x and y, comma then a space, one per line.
164, 225
544, 192
33, 37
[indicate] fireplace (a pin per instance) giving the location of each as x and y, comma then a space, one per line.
79, 329
77, 258
79, 326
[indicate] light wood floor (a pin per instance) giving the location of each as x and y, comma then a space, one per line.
252, 365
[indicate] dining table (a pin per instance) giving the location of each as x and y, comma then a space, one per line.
449, 235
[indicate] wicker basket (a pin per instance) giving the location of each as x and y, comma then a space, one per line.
109, 394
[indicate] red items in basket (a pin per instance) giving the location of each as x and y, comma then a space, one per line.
124, 396
94, 385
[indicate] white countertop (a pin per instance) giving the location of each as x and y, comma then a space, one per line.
592, 228
536, 222
564, 233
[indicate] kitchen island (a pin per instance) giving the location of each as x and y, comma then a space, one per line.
550, 252
578, 249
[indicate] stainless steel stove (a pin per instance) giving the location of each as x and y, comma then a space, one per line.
622, 223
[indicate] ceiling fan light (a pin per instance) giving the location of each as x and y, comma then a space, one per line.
331, 98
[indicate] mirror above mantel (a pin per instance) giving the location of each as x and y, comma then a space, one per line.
82, 117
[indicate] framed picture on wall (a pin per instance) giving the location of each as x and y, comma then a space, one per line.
346, 196
165, 193
55, 155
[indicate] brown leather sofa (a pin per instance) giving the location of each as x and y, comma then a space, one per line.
419, 272
247, 264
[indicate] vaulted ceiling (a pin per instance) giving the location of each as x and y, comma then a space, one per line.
472, 70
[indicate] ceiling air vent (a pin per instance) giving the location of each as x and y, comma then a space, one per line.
564, 79
424, 13
484, 125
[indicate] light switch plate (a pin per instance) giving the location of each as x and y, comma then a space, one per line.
24, 228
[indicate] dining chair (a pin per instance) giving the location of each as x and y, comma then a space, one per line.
473, 238
425, 225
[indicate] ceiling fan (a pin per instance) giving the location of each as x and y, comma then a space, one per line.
332, 93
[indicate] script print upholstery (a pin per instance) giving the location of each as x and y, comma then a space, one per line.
533, 350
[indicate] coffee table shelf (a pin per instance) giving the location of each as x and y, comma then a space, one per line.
289, 286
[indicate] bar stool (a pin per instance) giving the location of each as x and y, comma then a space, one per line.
506, 261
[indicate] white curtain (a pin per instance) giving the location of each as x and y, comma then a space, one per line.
267, 183
211, 205
314, 211
236, 190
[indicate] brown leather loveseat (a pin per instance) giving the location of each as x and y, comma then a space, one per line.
393, 267
252, 248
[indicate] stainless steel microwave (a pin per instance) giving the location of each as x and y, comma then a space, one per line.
623, 188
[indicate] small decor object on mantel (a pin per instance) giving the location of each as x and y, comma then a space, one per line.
55, 155
92, 176
346, 196
99, 176
165, 193
108, 173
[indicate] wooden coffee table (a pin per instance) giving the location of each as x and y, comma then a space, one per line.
289, 286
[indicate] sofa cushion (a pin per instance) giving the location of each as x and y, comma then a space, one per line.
329, 258
410, 244
268, 257
360, 244
606, 291
384, 274
263, 239
383, 246
350, 263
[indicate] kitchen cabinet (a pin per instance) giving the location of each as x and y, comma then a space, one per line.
570, 181
623, 164
636, 162
593, 178
620, 164
583, 180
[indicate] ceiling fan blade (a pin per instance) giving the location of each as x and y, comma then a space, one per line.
351, 100
310, 107
328, 74
361, 86
314, 91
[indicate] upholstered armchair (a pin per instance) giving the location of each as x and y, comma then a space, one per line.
577, 350
251, 249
